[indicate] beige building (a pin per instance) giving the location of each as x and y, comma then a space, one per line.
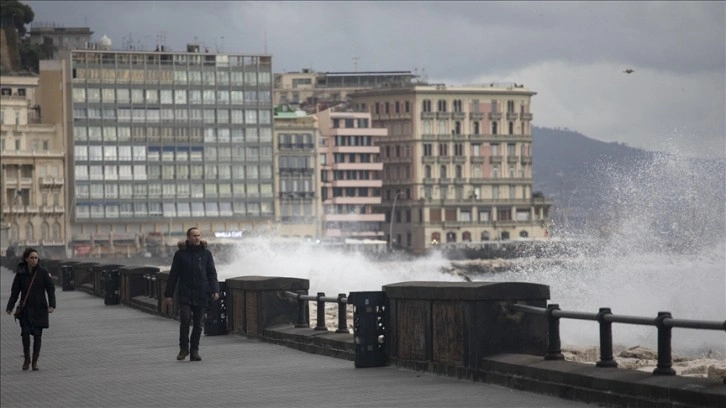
32, 182
350, 175
322, 89
457, 164
297, 205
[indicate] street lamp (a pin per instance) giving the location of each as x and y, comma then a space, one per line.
390, 227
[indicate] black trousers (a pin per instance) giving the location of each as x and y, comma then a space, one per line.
190, 314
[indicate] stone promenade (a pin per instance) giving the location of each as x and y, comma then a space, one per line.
114, 356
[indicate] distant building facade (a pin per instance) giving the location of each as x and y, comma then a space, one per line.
60, 38
350, 175
162, 141
319, 90
458, 163
297, 204
32, 182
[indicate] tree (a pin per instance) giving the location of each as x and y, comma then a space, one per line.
16, 14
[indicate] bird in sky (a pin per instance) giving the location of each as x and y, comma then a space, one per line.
629, 71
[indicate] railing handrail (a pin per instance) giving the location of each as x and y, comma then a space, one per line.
664, 322
320, 299
637, 320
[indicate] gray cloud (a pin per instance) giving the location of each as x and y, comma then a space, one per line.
571, 53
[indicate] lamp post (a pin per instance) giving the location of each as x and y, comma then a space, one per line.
390, 227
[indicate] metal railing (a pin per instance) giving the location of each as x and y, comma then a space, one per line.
320, 300
150, 285
664, 322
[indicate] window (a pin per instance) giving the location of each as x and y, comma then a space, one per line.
457, 105
427, 149
443, 149
426, 106
441, 105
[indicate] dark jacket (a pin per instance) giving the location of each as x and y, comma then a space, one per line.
36, 306
193, 269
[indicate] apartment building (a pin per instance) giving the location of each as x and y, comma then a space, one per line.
161, 141
32, 162
318, 90
58, 38
457, 164
297, 206
350, 175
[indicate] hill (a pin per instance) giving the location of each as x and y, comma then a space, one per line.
573, 170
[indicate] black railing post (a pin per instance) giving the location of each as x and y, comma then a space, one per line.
321, 312
606, 339
553, 326
342, 315
301, 321
665, 362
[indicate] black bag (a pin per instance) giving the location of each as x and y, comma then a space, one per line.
19, 308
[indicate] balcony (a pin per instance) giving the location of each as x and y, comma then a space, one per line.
459, 159
428, 159
459, 180
50, 181
428, 115
429, 181
526, 159
476, 137
443, 115
458, 115
495, 115
428, 136
459, 136
512, 115
495, 159
526, 116
512, 159
445, 181
478, 159
357, 183
354, 200
445, 137
444, 159
354, 217
476, 115
357, 166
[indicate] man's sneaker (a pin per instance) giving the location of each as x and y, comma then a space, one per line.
182, 355
195, 356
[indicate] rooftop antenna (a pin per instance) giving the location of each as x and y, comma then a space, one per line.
355, 64
222, 44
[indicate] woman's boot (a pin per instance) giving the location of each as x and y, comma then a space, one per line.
36, 351
26, 351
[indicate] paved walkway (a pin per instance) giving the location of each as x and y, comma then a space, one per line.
114, 356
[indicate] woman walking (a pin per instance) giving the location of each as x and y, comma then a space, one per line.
31, 283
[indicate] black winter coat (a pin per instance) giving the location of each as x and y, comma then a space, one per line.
193, 270
36, 306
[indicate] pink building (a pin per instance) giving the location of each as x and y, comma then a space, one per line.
350, 175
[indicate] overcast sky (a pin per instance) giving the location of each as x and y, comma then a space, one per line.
571, 53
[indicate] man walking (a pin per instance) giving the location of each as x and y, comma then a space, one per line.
193, 269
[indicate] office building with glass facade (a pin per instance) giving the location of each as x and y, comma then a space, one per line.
163, 141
